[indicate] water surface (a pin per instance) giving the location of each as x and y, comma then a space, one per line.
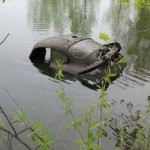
34, 89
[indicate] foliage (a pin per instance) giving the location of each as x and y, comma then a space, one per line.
123, 1
96, 126
38, 134
59, 75
104, 36
129, 137
122, 60
139, 4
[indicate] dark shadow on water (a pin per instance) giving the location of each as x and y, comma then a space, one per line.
89, 82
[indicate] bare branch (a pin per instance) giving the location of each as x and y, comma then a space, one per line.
37, 146
4, 39
12, 98
9, 122
28, 128
15, 134
58, 132
16, 137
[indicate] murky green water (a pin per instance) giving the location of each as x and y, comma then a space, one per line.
28, 21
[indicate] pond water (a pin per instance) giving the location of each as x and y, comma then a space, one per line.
34, 88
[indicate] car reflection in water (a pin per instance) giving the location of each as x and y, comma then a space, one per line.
90, 82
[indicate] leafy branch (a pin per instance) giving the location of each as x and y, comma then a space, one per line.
38, 134
14, 133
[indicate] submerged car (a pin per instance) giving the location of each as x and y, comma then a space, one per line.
80, 56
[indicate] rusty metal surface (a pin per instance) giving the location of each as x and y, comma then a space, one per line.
82, 55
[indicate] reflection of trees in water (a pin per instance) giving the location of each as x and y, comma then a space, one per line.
140, 43
121, 20
43, 14
127, 25
58, 14
82, 16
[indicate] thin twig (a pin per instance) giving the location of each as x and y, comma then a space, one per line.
58, 132
9, 122
31, 129
73, 117
28, 128
37, 146
9, 142
13, 99
102, 107
4, 39
99, 128
60, 68
89, 128
16, 137
5, 143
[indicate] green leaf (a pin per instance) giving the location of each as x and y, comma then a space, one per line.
112, 75
22, 116
104, 36
99, 86
68, 112
122, 60
38, 126
58, 62
91, 136
33, 138
95, 125
71, 101
106, 105
107, 79
76, 124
